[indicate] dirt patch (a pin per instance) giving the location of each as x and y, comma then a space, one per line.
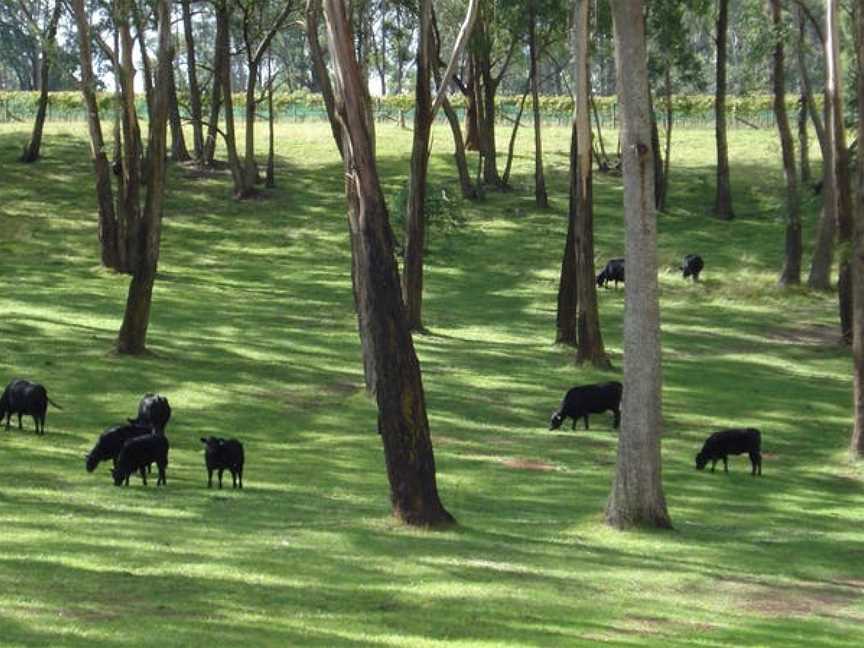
807, 599
821, 335
527, 464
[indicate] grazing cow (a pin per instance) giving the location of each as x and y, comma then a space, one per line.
582, 400
111, 442
137, 453
692, 266
23, 397
736, 441
153, 411
221, 455
614, 271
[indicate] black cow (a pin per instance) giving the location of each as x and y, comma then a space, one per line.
582, 400
692, 266
736, 441
23, 397
221, 455
153, 411
137, 453
614, 271
111, 442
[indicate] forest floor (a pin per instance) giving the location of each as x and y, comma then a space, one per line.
253, 336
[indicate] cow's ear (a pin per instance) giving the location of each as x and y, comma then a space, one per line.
203, 440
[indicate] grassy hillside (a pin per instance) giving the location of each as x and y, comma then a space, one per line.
253, 335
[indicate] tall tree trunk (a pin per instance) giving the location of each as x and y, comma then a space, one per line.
839, 169
467, 186
857, 442
129, 190
48, 39
472, 121
823, 250
568, 293
589, 345
659, 185
402, 421
319, 69
133, 332
108, 230
791, 274
415, 219
667, 86
488, 147
221, 69
723, 199
637, 494
270, 180
511, 147
223, 39
250, 166
194, 88
804, 139
540, 197
179, 152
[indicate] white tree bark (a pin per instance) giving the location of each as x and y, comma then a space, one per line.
637, 493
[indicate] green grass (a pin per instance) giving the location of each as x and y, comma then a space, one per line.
253, 335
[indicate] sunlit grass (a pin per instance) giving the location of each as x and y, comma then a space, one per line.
253, 335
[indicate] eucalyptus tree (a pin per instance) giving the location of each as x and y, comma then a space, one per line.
111, 245
41, 18
637, 497
723, 196
195, 103
857, 260
791, 273
838, 170
402, 422
134, 225
424, 114
578, 316
260, 21
671, 26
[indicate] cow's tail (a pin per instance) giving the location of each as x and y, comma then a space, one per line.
53, 403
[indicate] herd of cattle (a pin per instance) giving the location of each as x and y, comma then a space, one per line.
691, 266
581, 401
131, 446
141, 441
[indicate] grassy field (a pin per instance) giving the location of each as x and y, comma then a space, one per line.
253, 335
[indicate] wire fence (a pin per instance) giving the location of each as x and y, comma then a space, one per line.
13, 109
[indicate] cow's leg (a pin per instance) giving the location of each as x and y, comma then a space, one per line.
221, 470
143, 473
616, 422
713, 463
209, 478
725, 464
240, 477
586, 421
20, 427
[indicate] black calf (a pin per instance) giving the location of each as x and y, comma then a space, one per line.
583, 400
153, 411
137, 453
736, 441
23, 397
614, 271
221, 455
111, 442
692, 266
